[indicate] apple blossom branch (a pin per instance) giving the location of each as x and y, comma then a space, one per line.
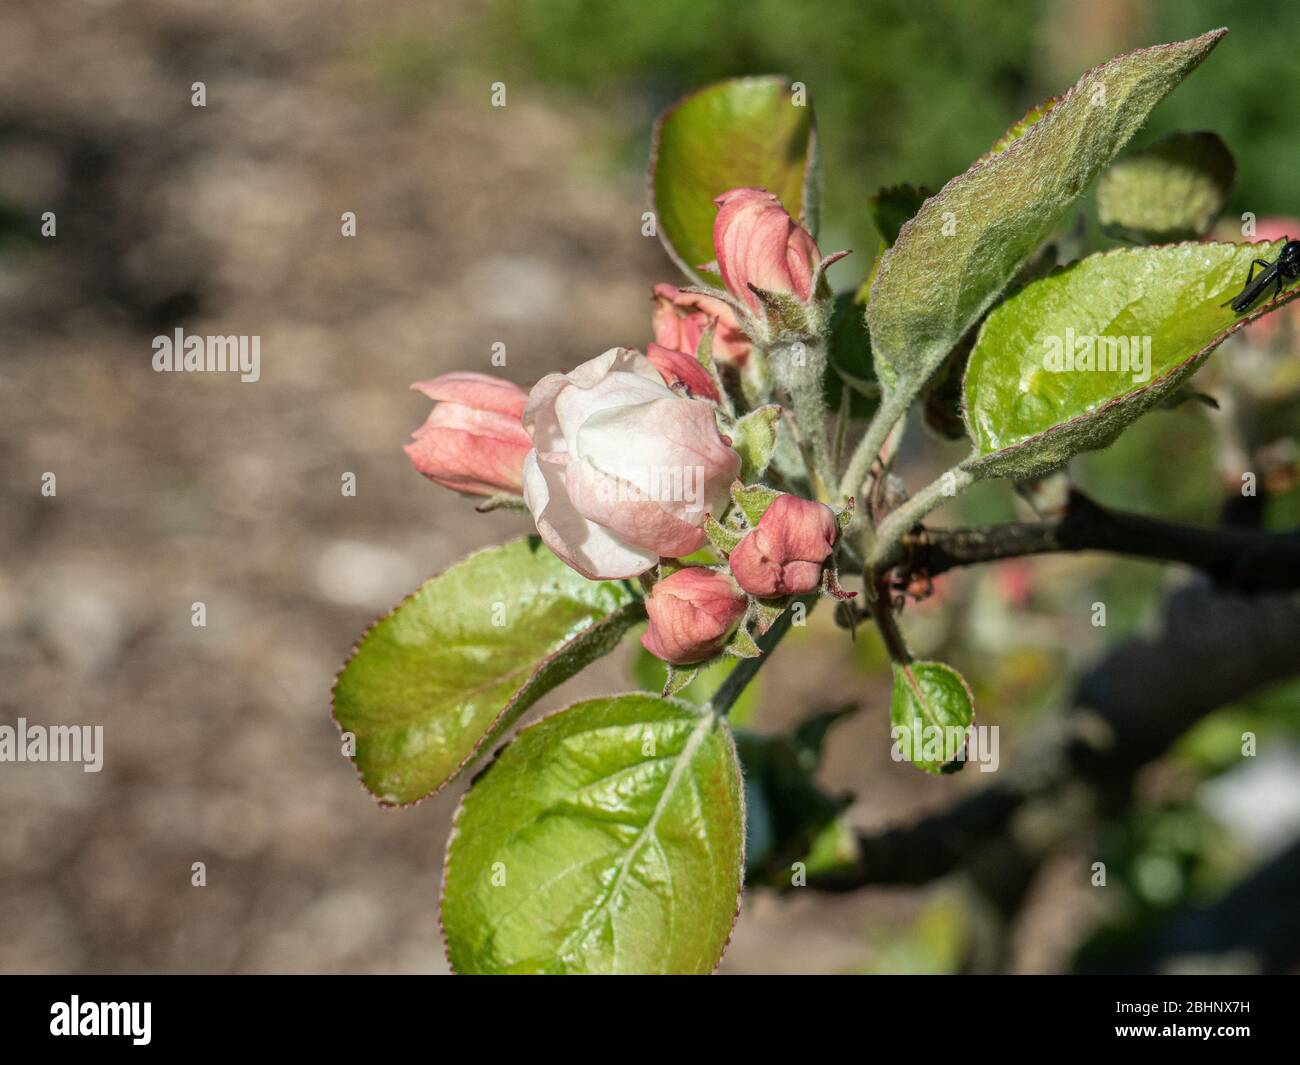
1241, 559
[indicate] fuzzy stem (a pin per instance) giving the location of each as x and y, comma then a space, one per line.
892, 407
738, 679
799, 371
899, 521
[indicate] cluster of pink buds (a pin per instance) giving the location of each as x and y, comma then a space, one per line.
624, 460
789, 552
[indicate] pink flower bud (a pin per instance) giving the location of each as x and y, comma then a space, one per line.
692, 613
623, 470
676, 367
758, 243
680, 319
784, 554
473, 441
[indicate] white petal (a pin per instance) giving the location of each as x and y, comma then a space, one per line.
591, 550
575, 405
670, 449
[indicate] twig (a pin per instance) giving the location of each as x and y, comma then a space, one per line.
743, 672
1241, 559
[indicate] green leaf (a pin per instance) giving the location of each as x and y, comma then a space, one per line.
678, 678
742, 645
754, 440
968, 242
1027, 418
849, 365
432, 685
753, 500
606, 838
1021, 126
931, 709
722, 538
744, 132
766, 611
1173, 190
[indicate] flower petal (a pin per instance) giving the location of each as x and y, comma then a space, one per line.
675, 366
479, 390
594, 552
672, 442
629, 513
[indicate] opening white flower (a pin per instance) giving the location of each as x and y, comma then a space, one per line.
623, 470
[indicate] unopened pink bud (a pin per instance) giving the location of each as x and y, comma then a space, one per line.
758, 243
680, 319
786, 552
692, 613
474, 440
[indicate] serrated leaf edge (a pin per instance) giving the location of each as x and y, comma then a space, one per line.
634, 609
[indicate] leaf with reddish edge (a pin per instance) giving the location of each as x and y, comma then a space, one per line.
929, 713
966, 244
436, 682
1020, 127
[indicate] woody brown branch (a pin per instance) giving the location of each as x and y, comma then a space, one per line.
1236, 559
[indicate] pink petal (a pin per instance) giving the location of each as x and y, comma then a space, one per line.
675, 366
594, 552
467, 461
629, 513
479, 390
672, 441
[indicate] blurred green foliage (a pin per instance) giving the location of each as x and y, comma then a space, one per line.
907, 91
903, 91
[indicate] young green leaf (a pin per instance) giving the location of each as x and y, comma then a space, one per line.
753, 500
749, 131
754, 440
432, 685
722, 538
1069, 361
965, 244
1020, 127
607, 838
679, 677
742, 645
931, 709
1173, 190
